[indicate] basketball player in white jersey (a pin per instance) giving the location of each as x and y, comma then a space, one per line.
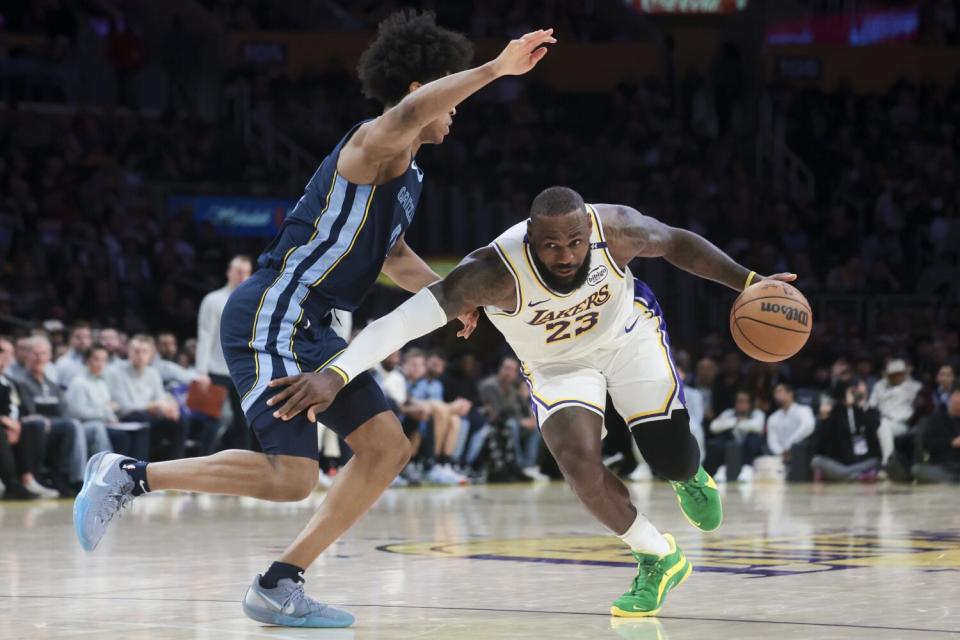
557, 286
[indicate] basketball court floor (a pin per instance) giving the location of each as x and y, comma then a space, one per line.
489, 562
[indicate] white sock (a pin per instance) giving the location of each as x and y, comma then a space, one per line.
643, 537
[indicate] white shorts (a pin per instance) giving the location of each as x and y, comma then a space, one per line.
639, 375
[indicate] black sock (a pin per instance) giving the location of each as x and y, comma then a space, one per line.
278, 571
443, 459
138, 471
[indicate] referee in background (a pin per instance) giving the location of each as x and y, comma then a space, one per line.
210, 360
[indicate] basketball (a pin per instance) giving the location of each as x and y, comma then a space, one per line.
770, 321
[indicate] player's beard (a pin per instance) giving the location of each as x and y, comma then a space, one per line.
555, 283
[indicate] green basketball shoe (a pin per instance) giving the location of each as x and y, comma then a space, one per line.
656, 575
700, 501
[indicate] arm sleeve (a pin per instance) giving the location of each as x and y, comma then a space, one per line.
418, 316
205, 331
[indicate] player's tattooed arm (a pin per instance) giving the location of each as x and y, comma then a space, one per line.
630, 234
481, 279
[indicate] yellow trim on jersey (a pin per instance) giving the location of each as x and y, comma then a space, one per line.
283, 266
353, 241
666, 357
538, 279
603, 238
328, 360
516, 279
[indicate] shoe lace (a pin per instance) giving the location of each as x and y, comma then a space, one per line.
694, 489
117, 500
298, 596
646, 567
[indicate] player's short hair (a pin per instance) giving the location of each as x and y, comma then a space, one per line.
410, 47
556, 201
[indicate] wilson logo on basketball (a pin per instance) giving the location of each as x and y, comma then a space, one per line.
792, 314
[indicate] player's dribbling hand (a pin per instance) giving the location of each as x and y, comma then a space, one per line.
469, 321
782, 277
523, 54
313, 392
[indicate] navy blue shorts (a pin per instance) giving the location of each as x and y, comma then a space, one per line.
266, 335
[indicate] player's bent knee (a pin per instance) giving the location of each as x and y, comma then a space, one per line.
381, 441
293, 479
668, 446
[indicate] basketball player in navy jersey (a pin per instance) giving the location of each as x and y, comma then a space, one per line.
346, 229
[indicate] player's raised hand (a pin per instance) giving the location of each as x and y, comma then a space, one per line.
312, 392
469, 321
523, 54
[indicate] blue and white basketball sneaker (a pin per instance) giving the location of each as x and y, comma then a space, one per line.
107, 489
288, 606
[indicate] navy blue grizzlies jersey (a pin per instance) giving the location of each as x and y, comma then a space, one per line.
327, 254
331, 247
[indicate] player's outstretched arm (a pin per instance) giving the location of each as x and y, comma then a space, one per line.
630, 234
409, 271
399, 126
480, 279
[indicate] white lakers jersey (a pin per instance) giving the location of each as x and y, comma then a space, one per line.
546, 326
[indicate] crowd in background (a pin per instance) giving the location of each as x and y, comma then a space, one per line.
66, 395
83, 235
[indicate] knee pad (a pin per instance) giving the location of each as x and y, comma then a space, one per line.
668, 446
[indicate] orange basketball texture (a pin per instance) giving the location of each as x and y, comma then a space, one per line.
771, 321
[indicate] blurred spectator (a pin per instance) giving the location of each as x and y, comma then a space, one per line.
504, 406
728, 383
70, 364
893, 397
88, 400
18, 369
210, 360
165, 362
137, 388
946, 384
109, 339
20, 451
940, 442
43, 403
706, 377
739, 428
445, 423
460, 383
694, 403
846, 445
789, 425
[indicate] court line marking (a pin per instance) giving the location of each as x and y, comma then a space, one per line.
828, 625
